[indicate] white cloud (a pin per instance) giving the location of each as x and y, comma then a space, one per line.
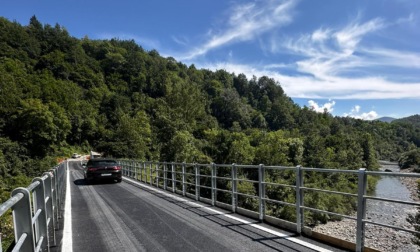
334, 87
321, 108
321, 34
180, 40
329, 52
331, 62
371, 115
390, 57
349, 37
245, 23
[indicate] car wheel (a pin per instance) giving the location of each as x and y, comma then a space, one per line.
119, 180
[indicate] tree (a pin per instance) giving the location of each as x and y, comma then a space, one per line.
131, 138
409, 159
39, 126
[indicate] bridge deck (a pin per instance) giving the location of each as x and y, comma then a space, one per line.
131, 216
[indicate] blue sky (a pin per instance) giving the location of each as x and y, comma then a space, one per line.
354, 58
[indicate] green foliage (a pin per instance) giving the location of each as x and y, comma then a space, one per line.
410, 159
59, 94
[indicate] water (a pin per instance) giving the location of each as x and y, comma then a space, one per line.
391, 188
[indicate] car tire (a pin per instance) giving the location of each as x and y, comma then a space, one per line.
119, 180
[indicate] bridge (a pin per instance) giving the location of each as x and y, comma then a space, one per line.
163, 206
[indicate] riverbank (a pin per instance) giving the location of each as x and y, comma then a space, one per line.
411, 184
381, 238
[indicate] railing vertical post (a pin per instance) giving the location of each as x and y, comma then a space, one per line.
22, 218
54, 198
150, 173
139, 166
213, 184
234, 188
361, 209
173, 177
59, 172
183, 179
157, 174
261, 189
49, 203
121, 162
197, 182
41, 223
143, 170
299, 200
165, 175
58, 182
135, 171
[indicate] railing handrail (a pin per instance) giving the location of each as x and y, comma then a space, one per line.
38, 206
35, 209
154, 175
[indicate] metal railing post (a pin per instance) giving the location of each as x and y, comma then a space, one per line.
49, 203
22, 219
183, 179
213, 184
299, 200
143, 170
165, 175
150, 172
157, 174
135, 171
124, 168
173, 177
132, 169
61, 185
261, 189
234, 188
41, 225
361, 209
54, 198
197, 182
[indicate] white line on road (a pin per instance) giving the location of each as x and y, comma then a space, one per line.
67, 245
258, 226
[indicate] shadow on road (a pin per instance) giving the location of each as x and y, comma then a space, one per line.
84, 182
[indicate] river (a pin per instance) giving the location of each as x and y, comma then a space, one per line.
383, 239
392, 188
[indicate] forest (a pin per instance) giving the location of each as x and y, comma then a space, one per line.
60, 94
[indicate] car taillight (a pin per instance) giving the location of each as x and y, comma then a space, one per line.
92, 169
116, 168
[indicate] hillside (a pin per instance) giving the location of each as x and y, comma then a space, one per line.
117, 98
60, 95
414, 119
386, 119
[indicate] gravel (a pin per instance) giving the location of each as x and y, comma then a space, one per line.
377, 237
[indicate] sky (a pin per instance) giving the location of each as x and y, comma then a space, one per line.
353, 58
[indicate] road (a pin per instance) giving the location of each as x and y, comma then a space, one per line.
132, 216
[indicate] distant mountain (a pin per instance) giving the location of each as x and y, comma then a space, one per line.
414, 119
386, 119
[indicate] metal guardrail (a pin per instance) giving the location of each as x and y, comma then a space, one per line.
36, 210
186, 179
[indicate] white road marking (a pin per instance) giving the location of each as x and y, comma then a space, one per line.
257, 226
67, 245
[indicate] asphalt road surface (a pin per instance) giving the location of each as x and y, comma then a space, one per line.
132, 216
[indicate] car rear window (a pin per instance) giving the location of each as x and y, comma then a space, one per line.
99, 163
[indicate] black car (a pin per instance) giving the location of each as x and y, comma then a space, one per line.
102, 169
